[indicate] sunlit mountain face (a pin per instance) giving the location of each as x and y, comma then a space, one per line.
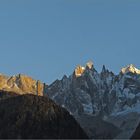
21, 84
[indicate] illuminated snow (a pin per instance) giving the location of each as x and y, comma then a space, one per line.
89, 64
79, 71
130, 68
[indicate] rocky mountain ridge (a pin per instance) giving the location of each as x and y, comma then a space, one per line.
86, 90
21, 84
89, 92
86, 93
105, 96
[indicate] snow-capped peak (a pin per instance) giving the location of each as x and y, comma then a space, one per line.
79, 71
89, 64
130, 68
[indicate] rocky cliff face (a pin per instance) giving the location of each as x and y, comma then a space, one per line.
21, 84
101, 94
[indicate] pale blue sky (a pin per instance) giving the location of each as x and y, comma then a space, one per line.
48, 38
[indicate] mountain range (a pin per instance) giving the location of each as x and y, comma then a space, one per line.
101, 94
106, 105
104, 95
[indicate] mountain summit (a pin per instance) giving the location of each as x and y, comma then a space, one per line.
130, 68
89, 64
80, 69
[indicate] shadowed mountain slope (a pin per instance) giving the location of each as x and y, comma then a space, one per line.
29, 116
136, 134
96, 128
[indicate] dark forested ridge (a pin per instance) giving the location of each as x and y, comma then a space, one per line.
29, 116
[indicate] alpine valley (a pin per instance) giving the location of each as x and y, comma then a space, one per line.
92, 105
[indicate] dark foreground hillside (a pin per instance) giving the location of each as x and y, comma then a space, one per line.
136, 134
29, 116
5, 94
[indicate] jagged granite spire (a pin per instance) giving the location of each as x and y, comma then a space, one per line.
103, 69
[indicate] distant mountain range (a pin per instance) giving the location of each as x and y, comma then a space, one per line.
106, 105
103, 95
